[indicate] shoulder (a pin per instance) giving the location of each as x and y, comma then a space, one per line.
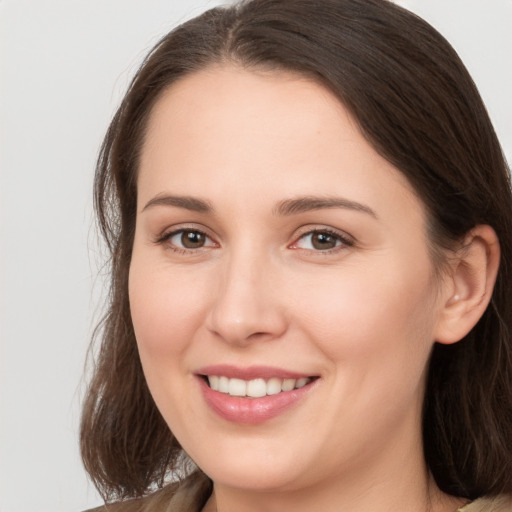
502, 503
186, 496
157, 501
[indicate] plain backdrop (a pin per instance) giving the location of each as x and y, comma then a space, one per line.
64, 65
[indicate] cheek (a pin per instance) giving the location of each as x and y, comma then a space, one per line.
166, 309
372, 315
166, 314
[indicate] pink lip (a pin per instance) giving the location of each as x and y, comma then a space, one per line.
249, 373
251, 411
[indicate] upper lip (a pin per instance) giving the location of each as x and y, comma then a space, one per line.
250, 372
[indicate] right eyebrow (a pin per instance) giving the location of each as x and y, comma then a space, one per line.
187, 202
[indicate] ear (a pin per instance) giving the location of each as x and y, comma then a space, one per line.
467, 290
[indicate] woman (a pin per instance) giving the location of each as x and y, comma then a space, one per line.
309, 218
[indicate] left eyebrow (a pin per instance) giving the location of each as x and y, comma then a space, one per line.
308, 203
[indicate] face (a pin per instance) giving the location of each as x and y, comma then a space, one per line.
281, 289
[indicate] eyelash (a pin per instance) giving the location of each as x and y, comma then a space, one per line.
166, 237
345, 241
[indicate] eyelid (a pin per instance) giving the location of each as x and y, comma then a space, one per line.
165, 237
344, 238
341, 236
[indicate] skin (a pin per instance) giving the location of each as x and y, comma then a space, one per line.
362, 317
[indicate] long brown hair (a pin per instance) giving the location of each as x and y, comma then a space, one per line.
417, 106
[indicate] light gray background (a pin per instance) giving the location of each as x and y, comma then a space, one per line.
64, 65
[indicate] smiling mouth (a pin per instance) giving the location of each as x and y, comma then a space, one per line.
255, 388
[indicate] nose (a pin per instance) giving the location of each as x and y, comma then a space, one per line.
249, 304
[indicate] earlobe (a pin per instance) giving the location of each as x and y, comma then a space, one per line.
468, 289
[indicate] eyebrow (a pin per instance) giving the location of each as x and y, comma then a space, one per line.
309, 203
187, 202
283, 208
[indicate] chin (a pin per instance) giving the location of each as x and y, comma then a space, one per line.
251, 477
256, 467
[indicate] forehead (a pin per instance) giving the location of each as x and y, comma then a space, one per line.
225, 131
252, 110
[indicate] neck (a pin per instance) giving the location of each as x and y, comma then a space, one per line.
373, 500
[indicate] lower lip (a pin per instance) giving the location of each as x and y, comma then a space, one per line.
251, 411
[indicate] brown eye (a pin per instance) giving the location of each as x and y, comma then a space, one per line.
187, 240
192, 239
322, 241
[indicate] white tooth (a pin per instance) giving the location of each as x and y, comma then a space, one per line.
274, 386
288, 384
213, 380
223, 384
301, 382
237, 387
256, 388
